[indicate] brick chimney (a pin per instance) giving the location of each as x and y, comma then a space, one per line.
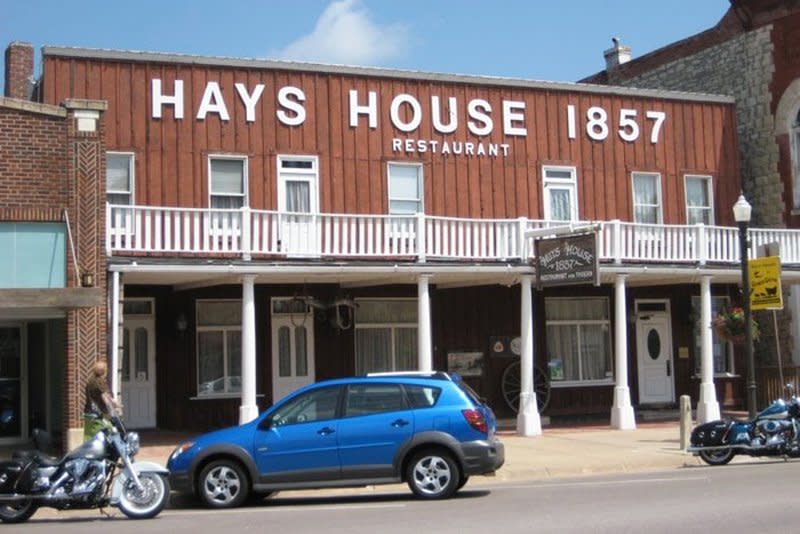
19, 70
617, 54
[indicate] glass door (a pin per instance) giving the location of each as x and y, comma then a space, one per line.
12, 356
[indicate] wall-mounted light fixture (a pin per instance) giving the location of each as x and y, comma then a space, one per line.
87, 279
181, 324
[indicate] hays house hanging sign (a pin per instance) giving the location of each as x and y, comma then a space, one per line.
567, 260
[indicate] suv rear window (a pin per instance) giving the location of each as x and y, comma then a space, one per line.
422, 396
471, 393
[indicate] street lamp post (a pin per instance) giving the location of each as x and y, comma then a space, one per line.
741, 212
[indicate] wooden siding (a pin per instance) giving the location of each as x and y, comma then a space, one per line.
171, 155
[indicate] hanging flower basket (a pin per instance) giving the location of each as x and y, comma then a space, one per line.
730, 326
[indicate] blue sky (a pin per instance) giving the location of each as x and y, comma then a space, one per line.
559, 40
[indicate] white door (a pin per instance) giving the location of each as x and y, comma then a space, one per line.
298, 204
292, 352
138, 370
654, 353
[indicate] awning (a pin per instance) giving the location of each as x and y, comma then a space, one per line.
60, 298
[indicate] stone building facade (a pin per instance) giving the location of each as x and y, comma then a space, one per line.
752, 54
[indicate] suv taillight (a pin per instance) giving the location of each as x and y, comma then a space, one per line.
476, 420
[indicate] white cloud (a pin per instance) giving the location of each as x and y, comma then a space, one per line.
345, 34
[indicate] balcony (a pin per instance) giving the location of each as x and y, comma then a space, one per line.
254, 234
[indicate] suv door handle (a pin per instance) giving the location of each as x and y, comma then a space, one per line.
325, 431
397, 423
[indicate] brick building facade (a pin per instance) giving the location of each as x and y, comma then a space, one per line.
53, 318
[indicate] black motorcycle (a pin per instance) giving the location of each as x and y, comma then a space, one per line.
98, 473
773, 432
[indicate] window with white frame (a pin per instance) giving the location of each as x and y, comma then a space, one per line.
722, 351
119, 178
560, 193
699, 205
405, 188
297, 184
219, 347
227, 176
386, 335
578, 340
646, 197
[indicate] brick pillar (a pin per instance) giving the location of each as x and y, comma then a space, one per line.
87, 327
19, 70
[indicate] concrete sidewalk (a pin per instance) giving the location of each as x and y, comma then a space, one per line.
558, 452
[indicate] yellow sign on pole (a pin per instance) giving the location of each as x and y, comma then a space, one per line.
765, 283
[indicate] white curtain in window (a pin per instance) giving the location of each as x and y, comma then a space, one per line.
562, 350
560, 204
406, 348
373, 350
645, 198
298, 196
594, 360
697, 201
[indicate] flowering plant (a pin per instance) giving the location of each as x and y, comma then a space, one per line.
729, 325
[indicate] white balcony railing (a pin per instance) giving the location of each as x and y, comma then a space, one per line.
162, 231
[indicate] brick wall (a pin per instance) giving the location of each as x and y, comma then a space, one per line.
48, 168
19, 70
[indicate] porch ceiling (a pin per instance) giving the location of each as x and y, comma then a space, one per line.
191, 275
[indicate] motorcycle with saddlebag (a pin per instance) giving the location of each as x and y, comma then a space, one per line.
773, 432
101, 472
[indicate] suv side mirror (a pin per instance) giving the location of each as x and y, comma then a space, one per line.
265, 423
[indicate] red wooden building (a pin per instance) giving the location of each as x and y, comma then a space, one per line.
274, 223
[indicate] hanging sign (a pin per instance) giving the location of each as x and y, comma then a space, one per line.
567, 260
765, 283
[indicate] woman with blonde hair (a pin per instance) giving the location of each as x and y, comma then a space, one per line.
99, 405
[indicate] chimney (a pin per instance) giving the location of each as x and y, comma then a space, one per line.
617, 55
19, 70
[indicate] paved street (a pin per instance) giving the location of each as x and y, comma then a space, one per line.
746, 497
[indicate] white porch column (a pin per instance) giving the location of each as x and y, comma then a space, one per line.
529, 423
116, 324
707, 405
248, 409
622, 417
424, 342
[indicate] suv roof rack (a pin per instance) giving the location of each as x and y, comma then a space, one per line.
441, 375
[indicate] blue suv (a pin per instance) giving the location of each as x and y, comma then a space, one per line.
428, 429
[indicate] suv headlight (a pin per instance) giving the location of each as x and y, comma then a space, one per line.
180, 449
133, 443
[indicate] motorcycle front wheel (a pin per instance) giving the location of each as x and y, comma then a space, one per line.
717, 457
146, 502
17, 512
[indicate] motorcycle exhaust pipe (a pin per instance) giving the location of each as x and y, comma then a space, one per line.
740, 446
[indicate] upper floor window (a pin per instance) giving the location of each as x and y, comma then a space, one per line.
560, 193
699, 207
298, 178
405, 188
119, 178
646, 197
227, 182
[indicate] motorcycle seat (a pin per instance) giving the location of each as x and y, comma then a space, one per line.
43, 459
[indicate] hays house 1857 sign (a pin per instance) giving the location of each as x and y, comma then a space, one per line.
567, 260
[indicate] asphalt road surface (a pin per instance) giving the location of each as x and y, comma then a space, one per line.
755, 497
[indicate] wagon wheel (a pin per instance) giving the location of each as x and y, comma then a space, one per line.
511, 386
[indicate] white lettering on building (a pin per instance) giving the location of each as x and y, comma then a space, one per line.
407, 112
159, 99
